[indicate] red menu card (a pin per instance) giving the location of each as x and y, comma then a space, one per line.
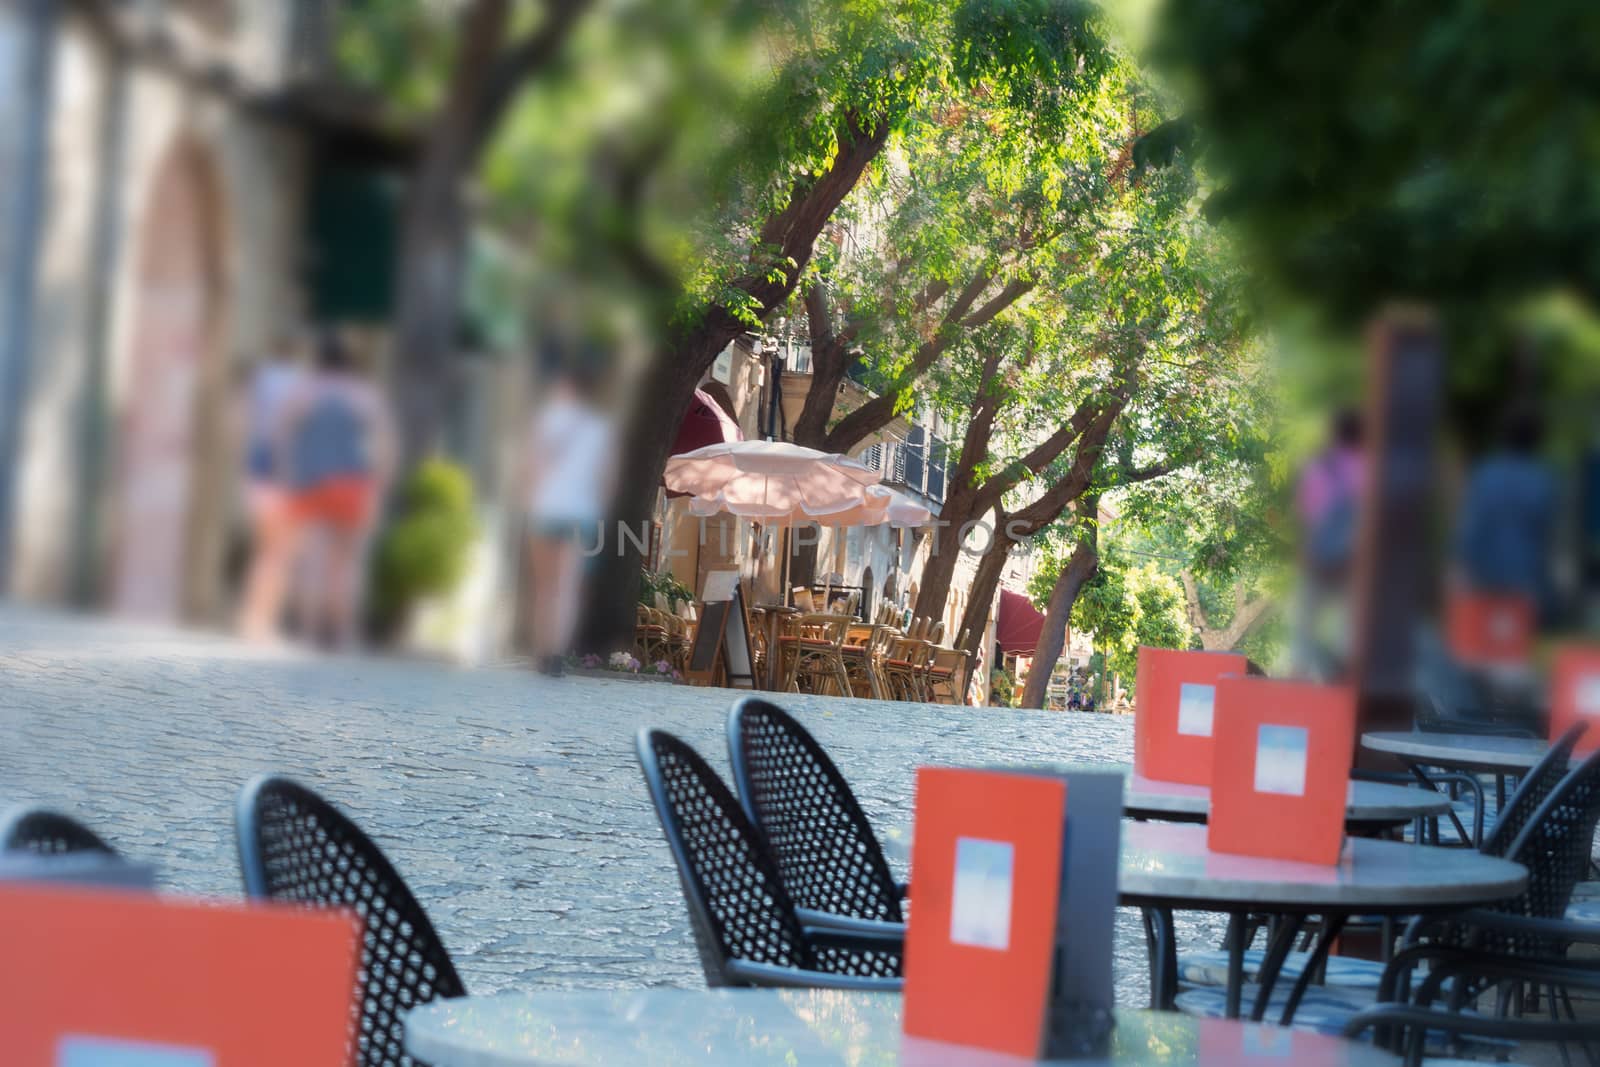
1490, 629
93, 975
1281, 769
986, 861
1575, 694
1010, 943
1174, 705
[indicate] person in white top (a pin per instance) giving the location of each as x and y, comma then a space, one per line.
570, 472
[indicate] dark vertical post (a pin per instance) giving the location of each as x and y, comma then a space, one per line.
19, 261
95, 411
1396, 562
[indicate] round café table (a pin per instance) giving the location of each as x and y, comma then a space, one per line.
1503, 757
817, 1028
1463, 752
1167, 867
1369, 806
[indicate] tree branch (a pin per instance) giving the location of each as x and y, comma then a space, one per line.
507, 73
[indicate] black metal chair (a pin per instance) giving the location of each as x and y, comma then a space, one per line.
827, 855
47, 832
1532, 791
1408, 1028
294, 846
744, 922
1483, 946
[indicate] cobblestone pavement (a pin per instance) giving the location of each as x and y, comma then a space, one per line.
510, 802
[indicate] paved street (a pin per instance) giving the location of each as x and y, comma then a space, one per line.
511, 803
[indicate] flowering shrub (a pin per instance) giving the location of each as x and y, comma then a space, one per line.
625, 663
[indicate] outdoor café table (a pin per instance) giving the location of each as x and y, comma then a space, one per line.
816, 1028
1167, 867
775, 613
1502, 757
1465, 752
1369, 806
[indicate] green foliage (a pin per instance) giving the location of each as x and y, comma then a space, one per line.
667, 585
1126, 605
1002, 689
398, 49
1390, 149
426, 549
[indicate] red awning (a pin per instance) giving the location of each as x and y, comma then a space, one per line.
705, 423
1017, 630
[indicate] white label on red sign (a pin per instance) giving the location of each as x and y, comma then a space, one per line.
1196, 707
980, 911
1281, 759
79, 1051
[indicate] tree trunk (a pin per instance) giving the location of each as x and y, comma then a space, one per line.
431, 274
1058, 613
981, 598
433, 236
614, 588
428, 296
1247, 615
670, 383
939, 570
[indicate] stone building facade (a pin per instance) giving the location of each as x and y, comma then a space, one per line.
151, 248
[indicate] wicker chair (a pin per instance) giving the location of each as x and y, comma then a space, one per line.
947, 675
814, 654
294, 846
652, 640
863, 647
745, 925
826, 853
47, 832
905, 667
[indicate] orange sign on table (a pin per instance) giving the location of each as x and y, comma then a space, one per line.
1175, 699
95, 977
1010, 942
1490, 629
1575, 694
1281, 769
986, 859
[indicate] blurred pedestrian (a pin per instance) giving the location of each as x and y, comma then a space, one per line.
1328, 505
569, 471
336, 450
272, 382
1507, 519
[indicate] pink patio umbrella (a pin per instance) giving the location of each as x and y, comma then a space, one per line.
881, 505
769, 480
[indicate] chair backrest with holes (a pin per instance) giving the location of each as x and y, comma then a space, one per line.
48, 832
1533, 790
827, 855
1555, 842
738, 908
294, 846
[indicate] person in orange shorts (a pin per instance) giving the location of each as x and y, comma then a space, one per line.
337, 452
272, 382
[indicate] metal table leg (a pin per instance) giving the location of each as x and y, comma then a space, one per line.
1288, 928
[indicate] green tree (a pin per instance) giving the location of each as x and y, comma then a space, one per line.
1125, 605
451, 73
844, 81
1395, 150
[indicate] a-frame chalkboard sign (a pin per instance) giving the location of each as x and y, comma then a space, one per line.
722, 653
